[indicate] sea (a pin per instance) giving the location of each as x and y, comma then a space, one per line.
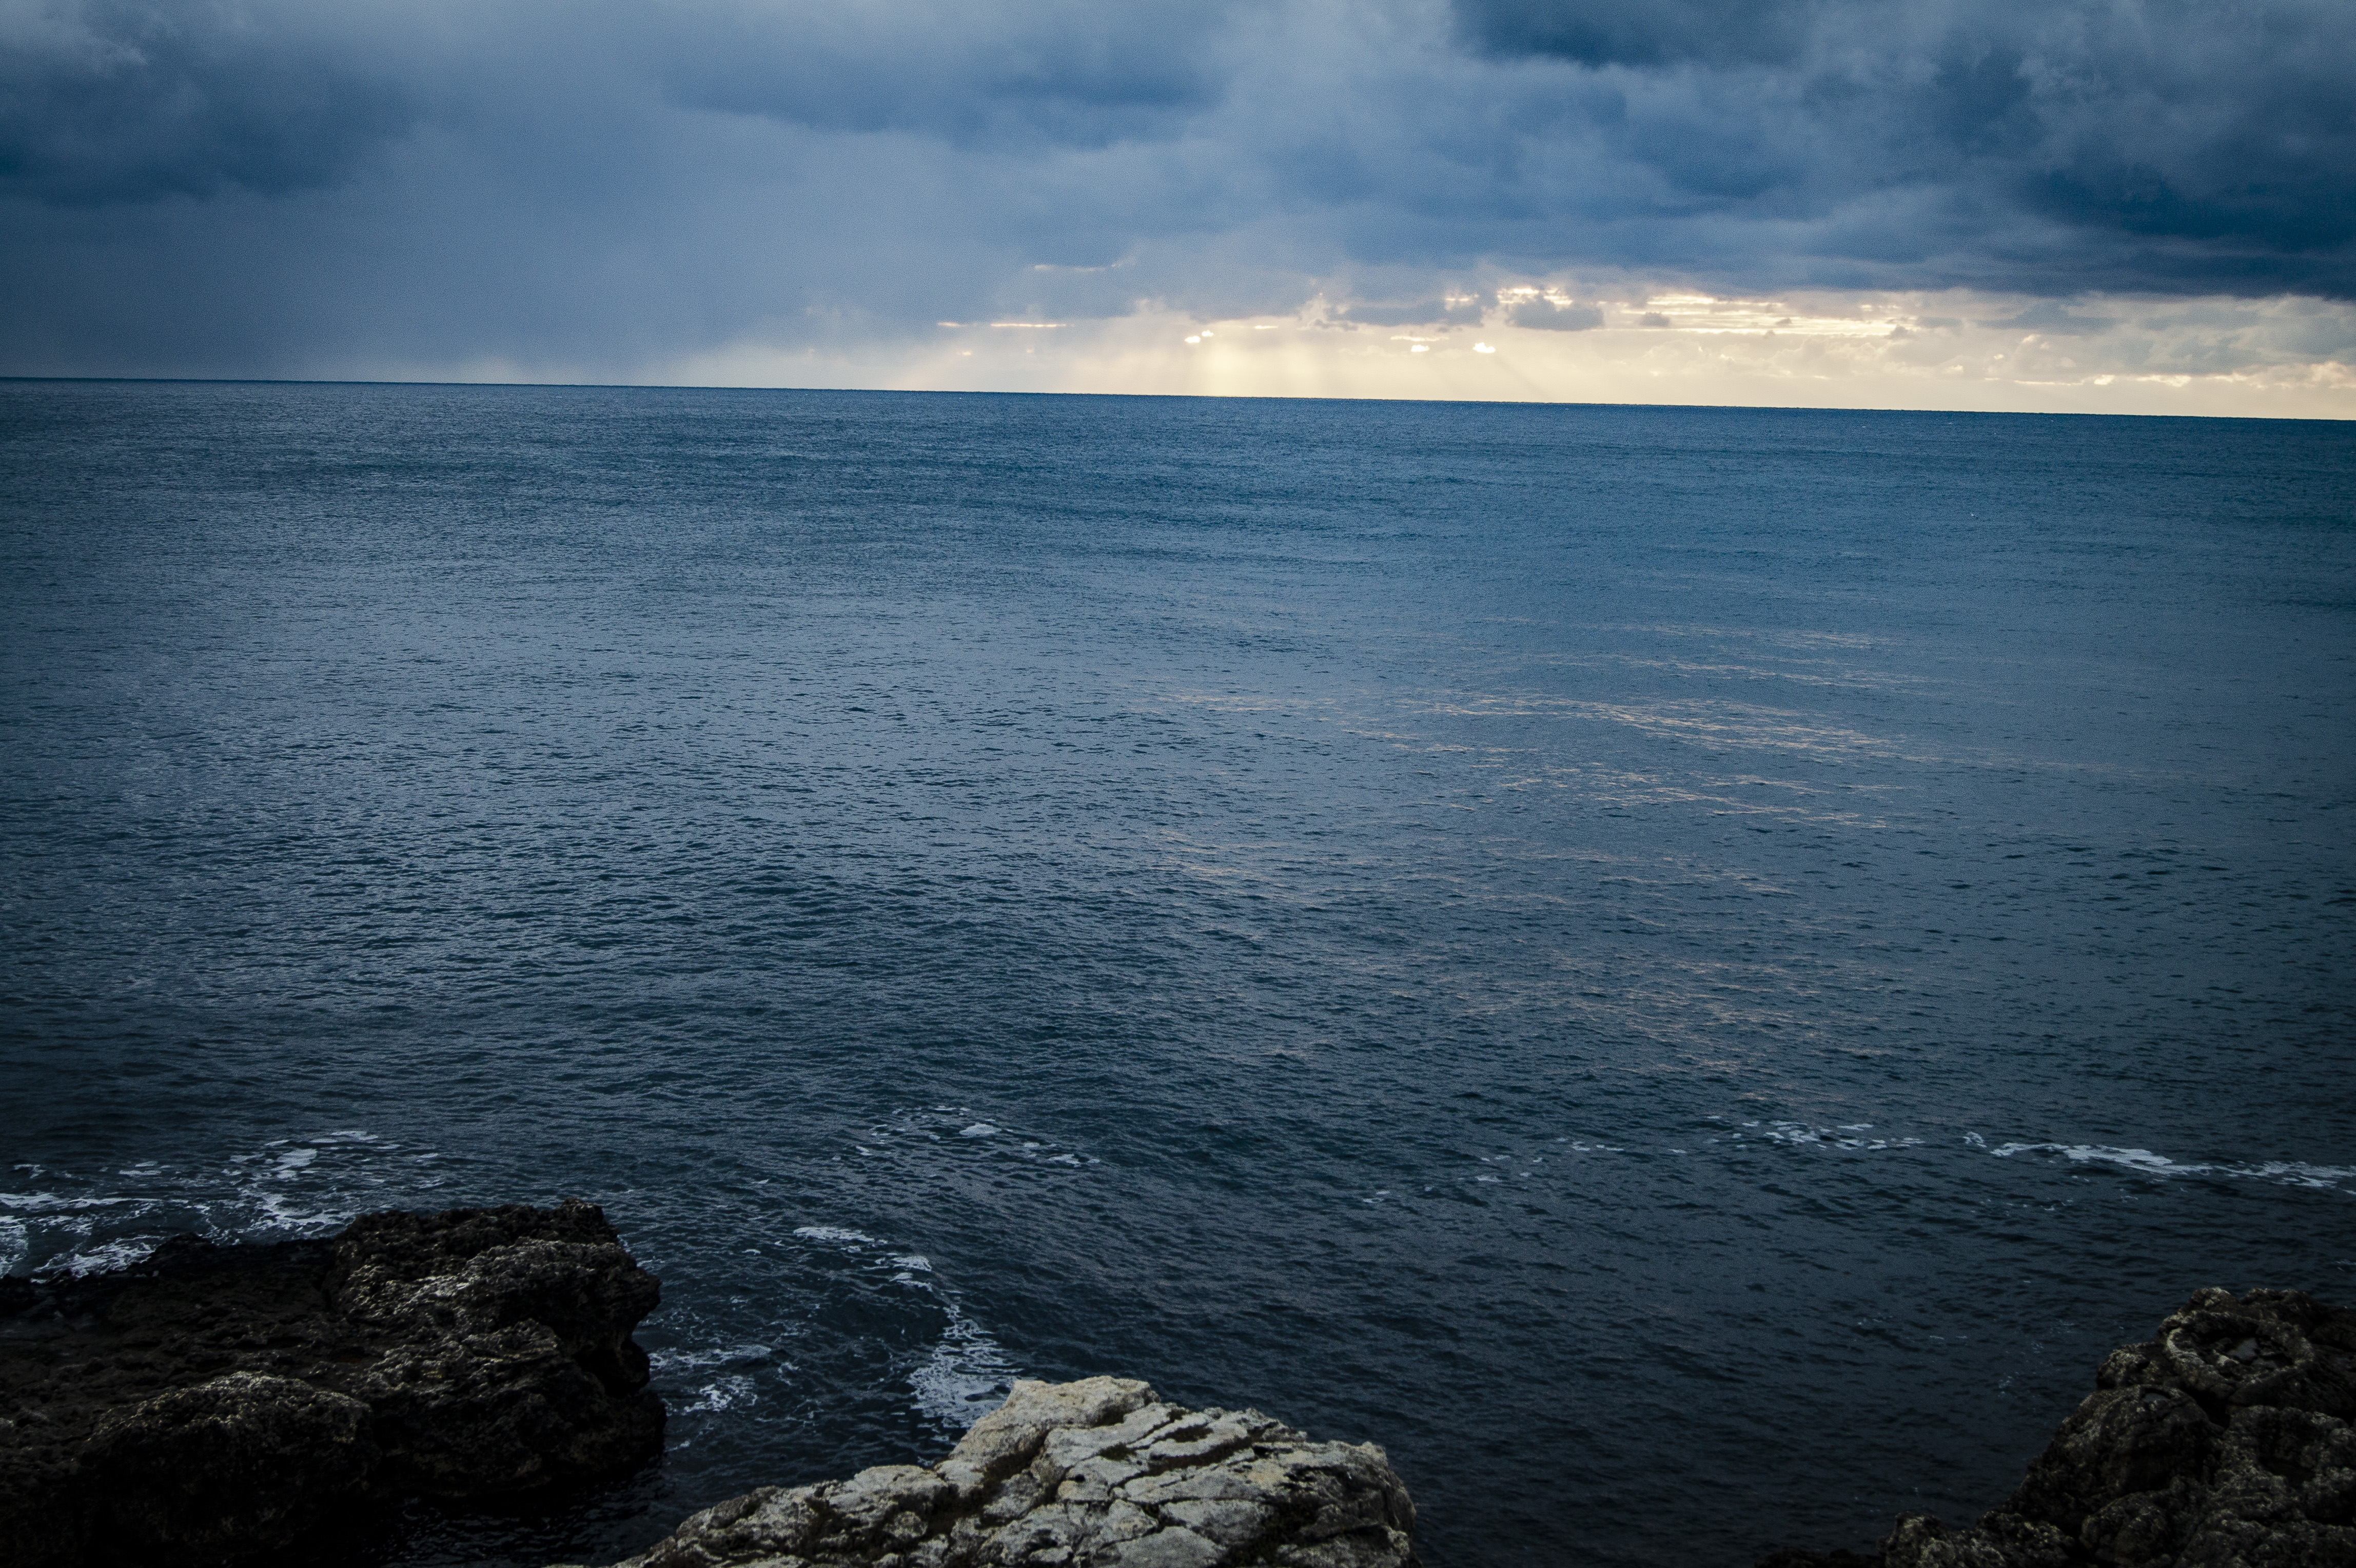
1686, 972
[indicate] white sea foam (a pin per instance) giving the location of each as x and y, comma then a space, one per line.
725, 1393
110, 1254
1805, 1134
966, 1374
285, 1186
2143, 1162
927, 1132
52, 1203
1861, 1135
717, 1355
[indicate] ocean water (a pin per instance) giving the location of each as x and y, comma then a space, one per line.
1687, 971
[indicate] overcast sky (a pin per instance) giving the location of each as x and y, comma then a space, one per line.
1947, 201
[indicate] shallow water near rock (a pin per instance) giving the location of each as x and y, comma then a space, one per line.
1686, 972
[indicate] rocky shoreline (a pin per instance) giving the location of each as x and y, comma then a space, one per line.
213, 1403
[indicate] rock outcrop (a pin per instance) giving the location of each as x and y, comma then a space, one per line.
212, 1402
1097, 1474
2227, 1440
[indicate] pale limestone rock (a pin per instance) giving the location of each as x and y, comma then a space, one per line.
1096, 1474
1228, 1523
1176, 1547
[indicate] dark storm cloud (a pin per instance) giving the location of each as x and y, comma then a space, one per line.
2167, 144
139, 102
272, 183
1665, 32
1058, 71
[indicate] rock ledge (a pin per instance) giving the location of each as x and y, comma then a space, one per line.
212, 1402
1096, 1474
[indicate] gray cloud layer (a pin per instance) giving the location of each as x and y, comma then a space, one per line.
198, 185
2173, 144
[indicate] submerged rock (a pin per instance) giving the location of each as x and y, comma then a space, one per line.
212, 1402
1097, 1474
2227, 1440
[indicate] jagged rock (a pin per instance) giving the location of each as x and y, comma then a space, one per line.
1097, 1474
212, 1402
2227, 1440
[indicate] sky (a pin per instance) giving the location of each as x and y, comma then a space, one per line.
2095, 205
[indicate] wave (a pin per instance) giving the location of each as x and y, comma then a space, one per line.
75, 1223
2143, 1162
1807, 1134
1861, 1135
928, 1130
966, 1373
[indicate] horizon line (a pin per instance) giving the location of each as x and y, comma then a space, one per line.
1166, 397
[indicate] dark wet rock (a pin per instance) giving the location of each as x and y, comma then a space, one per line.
1096, 1474
214, 1402
2227, 1440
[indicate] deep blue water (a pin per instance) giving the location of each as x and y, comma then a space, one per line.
1687, 971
